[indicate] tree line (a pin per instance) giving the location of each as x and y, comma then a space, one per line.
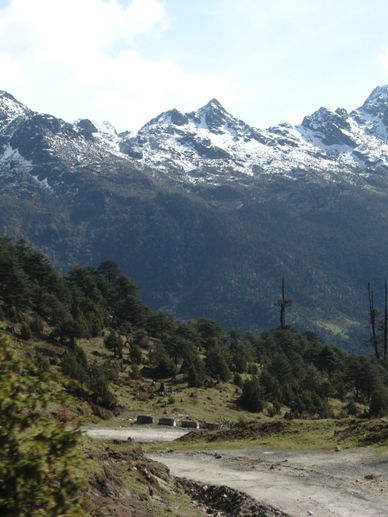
273, 369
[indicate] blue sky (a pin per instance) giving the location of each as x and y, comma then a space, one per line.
126, 61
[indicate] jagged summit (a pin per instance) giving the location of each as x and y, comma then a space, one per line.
213, 105
170, 117
372, 116
378, 96
3, 93
211, 115
209, 145
327, 146
6, 99
10, 110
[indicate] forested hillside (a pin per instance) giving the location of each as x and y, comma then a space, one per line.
272, 370
206, 213
84, 347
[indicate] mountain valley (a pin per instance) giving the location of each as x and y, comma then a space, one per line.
207, 213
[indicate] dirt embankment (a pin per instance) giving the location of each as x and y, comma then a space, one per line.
123, 483
232, 503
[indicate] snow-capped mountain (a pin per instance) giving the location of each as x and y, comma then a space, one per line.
210, 145
207, 213
207, 146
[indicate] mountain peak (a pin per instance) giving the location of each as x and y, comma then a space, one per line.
321, 118
214, 104
10, 108
3, 93
377, 99
166, 118
213, 116
373, 114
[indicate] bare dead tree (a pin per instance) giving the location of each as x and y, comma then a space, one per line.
373, 320
385, 336
284, 303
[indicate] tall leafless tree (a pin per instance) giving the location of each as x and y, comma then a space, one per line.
373, 320
385, 328
284, 303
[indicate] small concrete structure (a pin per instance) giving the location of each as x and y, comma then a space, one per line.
192, 424
144, 419
212, 426
167, 421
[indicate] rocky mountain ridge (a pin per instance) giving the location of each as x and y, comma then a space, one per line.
326, 147
205, 147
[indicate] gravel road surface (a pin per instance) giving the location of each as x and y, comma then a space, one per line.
301, 483
141, 434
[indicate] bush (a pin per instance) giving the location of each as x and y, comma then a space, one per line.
37, 455
25, 331
217, 364
114, 343
378, 405
135, 372
164, 366
252, 397
196, 375
37, 325
136, 355
101, 394
351, 408
237, 380
274, 409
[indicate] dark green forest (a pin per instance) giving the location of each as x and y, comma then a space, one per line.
277, 368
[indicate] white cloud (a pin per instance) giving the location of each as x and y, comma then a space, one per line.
383, 61
294, 117
81, 58
11, 73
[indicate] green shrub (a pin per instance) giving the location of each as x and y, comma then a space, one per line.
25, 331
38, 455
252, 397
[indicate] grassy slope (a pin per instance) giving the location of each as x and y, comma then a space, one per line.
121, 480
116, 478
142, 396
292, 435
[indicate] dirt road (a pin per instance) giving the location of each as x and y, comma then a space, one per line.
141, 434
322, 484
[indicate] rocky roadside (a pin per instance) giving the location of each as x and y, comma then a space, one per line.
227, 502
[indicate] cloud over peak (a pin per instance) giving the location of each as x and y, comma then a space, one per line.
83, 58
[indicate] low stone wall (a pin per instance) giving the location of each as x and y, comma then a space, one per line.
171, 422
212, 426
144, 419
190, 424
167, 421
